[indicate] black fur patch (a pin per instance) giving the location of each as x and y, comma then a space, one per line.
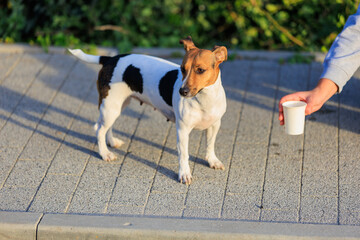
133, 78
166, 86
105, 74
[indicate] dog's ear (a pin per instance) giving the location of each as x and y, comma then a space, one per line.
188, 43
220, 53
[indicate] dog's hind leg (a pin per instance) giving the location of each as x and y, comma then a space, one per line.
111, 140
110, 110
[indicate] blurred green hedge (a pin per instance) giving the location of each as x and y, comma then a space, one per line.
307, 25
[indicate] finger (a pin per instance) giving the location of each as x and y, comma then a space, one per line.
290, 97
309, 110
281, 116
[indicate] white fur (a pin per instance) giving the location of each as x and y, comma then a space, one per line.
84, 57
203, 111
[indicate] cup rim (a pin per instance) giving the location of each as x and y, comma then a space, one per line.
301, 104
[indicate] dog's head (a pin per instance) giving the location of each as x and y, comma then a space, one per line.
200, 67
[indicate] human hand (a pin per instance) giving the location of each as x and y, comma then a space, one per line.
314, 98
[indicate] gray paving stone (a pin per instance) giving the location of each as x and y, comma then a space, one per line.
166, 180
195, 212
165, 204
25, 71
27, 174
320, 158
279, 215
145, 155
94, 190
16, 198
320, 183
170, 154
319, 210
235, 81
9, 61
40, 147
202, 172
299, 75
279, 194
54, 194
349, 217
252, 155
125, 210
349, 206
13, 87
349, 170
131, 192
8, 157
242, 207
135, 166
319, 133
16, 127
246, 180
205, 194
70, 160
284, 144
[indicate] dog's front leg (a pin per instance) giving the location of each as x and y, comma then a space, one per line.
210, 156
183, 151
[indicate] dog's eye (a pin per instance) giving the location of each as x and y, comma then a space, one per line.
200, 71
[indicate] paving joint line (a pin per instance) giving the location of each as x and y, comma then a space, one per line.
26, 91
302, 157
196, 157
87, 160
157, 166
238, 123
124, 158
67, 128
14, 109
11, 68
338, 161
261, 207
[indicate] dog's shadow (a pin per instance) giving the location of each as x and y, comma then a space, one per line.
159, 166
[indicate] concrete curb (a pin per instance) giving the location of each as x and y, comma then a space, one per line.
167, 52
25, 225
19, 225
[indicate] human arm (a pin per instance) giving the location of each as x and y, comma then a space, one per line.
315, 98
343, 58
341, 62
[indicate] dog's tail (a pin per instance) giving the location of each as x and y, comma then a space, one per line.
85, 57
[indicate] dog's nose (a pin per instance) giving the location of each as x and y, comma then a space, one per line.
184, 91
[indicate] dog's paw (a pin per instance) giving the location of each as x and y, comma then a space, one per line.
116, 143
216, 164
108, 157
185, 177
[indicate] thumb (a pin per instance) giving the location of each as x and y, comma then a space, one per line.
309, 109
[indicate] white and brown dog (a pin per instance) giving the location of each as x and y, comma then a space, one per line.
191, 95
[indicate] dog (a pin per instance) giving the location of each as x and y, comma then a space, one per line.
191, 95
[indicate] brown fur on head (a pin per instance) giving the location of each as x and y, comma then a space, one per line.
200, 66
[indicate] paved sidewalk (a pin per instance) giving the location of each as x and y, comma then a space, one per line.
50, 169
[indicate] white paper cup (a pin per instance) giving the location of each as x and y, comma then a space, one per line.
294, 116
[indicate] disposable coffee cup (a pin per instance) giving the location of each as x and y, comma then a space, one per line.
294, 116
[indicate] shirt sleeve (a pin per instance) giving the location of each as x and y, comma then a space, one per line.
343, 58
